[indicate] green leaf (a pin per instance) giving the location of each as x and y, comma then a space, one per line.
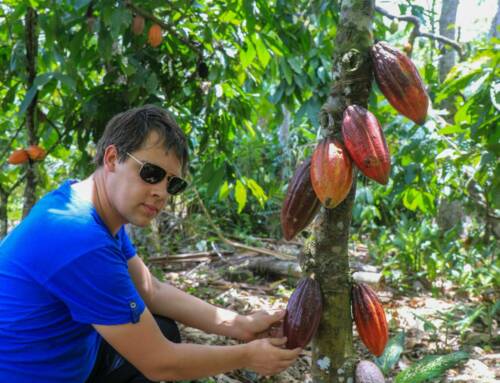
30, 94
224, 191
240, 194
257, 191
66, 80
431, 367
392, 353
286, 71
262, 53
248, 55
216, 181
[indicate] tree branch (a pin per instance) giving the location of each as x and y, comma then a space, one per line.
416, 32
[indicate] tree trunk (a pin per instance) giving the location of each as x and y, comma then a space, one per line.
31, 53
447, 22
494, 32
4, 199
325, 253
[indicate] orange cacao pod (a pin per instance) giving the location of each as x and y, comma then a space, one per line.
19, 156
365, 142
137, 24
154, 35
35, 153
301, 204
400, 82
369, 317
331, 172
303, 313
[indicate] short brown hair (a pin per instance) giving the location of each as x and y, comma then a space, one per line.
130, 129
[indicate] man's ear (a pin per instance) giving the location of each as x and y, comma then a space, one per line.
110, 158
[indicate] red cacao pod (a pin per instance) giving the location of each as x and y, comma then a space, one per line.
365, 142
303, 313
368, 372
370, 319
154, 35
35, 153
400, 82
17, 157
331, 172
301, 204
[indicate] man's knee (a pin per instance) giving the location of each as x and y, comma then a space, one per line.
169, 328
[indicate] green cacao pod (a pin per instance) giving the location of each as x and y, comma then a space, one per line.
365, 142
369, 317
301, 204
400, 82
331, 172
303, 313
368, 372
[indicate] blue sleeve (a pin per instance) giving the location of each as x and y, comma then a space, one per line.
97, 289
127, 248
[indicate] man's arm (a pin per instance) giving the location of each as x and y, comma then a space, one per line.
166, 300
143, 345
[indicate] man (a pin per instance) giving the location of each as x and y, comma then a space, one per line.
75, 298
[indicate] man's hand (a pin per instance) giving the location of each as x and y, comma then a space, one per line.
268, 357
260, 324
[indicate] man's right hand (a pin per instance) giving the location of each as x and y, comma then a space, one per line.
268, 357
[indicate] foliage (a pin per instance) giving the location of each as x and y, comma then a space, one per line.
431, 367
246, 81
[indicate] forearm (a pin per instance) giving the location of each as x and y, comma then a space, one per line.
192, 361
171, 302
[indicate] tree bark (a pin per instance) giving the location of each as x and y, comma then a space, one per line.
31, 53
4, 199
325, 253
494, 32
447, 22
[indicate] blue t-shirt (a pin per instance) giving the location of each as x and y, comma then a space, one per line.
61, 270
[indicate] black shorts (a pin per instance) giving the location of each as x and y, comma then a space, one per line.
111, 367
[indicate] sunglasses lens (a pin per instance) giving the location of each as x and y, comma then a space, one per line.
176, 185
152, 174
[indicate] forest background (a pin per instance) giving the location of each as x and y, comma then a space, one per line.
246, 81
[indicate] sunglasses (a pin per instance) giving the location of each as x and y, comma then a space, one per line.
153, 174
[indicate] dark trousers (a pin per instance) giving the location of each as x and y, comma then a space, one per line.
110, 367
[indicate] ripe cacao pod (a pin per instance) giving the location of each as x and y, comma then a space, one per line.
365, 142
368, 372
154, 35
370, 319
19, 156
137, 24
35, 153
400, 82
301, 204
331, 172
303, 313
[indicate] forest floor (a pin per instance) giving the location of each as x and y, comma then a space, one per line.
431, 325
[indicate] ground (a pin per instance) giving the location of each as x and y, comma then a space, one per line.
426, 320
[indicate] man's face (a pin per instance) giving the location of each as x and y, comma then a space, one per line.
135, 200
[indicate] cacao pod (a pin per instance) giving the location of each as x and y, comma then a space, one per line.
303, 313
368, 372
331, 172
154, 35
35, 153
400, 82
19, 156
301, 204
365, 142
370, 319
137, 24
